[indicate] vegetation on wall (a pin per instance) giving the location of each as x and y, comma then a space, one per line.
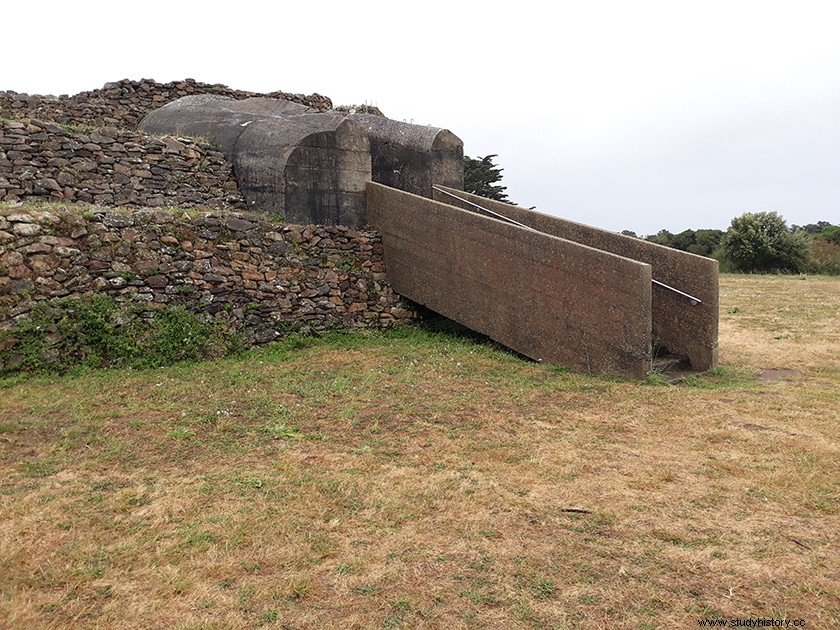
101, 332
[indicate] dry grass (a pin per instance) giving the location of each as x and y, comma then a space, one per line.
426, 481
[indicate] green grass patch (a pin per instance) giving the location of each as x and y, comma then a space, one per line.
99, 332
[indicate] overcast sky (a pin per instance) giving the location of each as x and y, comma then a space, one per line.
635, 115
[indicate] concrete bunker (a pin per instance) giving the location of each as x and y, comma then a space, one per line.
413, 158
554, 290
306, 166
309, 166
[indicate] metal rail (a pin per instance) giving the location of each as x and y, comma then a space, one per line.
483, 209
694, 300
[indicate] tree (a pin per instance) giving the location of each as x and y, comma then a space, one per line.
811, 228
706, 242
662, 237
480, 177
830, 233
700, 242
761, 242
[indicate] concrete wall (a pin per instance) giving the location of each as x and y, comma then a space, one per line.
412, 157
312, 167
325, 177
306, 167
549, 298
687, 330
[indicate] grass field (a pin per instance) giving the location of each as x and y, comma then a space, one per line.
421, 480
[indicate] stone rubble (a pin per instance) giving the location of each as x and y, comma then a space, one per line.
125, 103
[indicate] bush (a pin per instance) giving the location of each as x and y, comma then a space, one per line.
700, 242
823, 257
761, 242
831, 234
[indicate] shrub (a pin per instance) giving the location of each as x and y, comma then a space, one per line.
823, 257
761, 242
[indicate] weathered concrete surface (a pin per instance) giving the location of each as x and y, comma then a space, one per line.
549, 298
309, 166
411, 157
306, 166
687, 330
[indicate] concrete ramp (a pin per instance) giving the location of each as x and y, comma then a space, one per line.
552, 290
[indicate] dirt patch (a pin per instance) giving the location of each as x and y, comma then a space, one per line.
777, 375
758, 428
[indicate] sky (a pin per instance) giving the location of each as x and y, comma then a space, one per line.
641, 115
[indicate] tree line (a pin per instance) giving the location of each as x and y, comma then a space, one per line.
755, 242
761, 242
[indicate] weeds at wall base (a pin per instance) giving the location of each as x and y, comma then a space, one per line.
96, 332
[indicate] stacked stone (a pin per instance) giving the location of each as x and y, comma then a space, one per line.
262, 278
40, 160
125, 103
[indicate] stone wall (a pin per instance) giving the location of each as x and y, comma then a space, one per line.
45, 161
125, 103
239, 271
264, 279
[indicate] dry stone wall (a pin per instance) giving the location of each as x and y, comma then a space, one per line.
116, 167
125, 103
156, 222
263, 279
